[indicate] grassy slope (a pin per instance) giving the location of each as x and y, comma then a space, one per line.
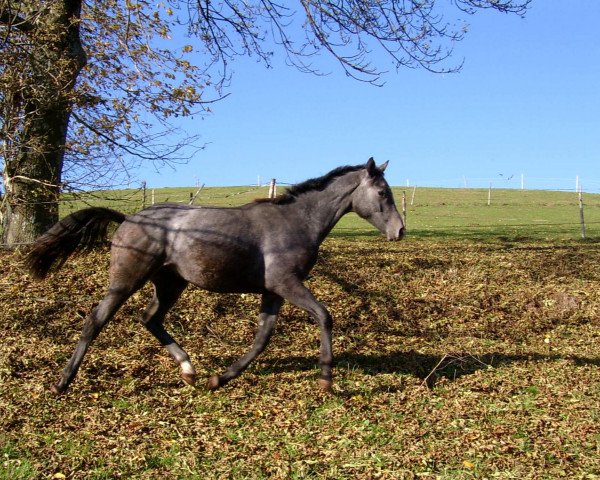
456, 359
434, 212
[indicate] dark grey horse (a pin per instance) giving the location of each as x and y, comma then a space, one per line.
265, 247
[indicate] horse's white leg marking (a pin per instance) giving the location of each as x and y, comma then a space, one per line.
187, 367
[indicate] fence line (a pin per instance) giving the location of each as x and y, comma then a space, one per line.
512, 182
447, 204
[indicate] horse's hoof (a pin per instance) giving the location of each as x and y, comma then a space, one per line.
57, 389
325, 384
213, 382
189, 378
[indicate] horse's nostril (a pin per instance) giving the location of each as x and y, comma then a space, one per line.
398, 235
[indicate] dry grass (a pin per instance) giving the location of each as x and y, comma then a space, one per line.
455, 360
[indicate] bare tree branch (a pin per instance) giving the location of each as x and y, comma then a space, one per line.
10, 19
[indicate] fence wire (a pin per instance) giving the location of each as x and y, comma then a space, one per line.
427, 210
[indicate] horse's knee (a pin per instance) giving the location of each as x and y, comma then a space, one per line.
327, 321
323, 316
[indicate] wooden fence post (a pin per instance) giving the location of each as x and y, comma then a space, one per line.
490, 195
152, 196
412, 198
581, 219
144, 194
193, 197
273, 188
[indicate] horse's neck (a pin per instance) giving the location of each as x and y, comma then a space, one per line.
325, 208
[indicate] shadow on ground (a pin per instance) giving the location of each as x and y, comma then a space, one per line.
426, 367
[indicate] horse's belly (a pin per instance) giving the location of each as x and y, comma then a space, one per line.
223, 270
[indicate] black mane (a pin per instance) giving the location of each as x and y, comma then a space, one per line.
313, 184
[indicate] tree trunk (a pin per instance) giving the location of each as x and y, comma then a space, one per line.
32, 179
36, 119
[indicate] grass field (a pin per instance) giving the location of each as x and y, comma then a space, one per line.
469, 350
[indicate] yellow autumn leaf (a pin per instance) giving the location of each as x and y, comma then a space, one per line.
468, 464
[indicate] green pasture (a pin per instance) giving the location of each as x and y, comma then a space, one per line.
430, 212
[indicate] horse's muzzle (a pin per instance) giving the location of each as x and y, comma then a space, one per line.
397, 235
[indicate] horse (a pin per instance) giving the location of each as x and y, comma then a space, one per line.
266, 247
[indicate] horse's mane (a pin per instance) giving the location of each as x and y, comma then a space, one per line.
311, 185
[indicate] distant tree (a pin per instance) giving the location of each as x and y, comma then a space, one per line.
89, 88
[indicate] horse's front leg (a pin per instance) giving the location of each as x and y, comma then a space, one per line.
296, 293
269, 310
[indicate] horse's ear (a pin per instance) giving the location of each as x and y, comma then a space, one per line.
371, 168
374, 170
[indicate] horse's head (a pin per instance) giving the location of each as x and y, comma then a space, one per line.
373, 201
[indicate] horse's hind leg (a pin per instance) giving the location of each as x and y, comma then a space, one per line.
168, 287
269, 310
91, 328
129, 270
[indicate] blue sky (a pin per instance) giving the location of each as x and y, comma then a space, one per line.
527, 102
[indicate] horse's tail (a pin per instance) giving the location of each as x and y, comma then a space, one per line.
82, 229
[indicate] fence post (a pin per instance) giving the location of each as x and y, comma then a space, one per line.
193, 197
273, 188
144, 194
490, 195
404, 207
412, 198
581, 219
152, 196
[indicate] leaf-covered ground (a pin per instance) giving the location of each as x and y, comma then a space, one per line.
455, 360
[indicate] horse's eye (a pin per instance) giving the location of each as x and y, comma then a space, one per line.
382, 193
